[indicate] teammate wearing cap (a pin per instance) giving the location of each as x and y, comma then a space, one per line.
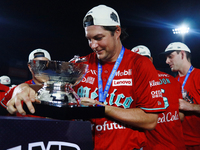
5, 80
37, 54
117, 79
178, 57
168, 134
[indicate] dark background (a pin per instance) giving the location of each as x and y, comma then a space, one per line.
56, 25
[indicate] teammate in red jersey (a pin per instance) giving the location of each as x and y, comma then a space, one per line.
178, 57
118, 79
168, 134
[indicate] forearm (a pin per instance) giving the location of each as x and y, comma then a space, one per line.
195, 108
134, 116
186, 106
181, 114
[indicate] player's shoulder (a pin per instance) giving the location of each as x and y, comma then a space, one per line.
196, 70
195, 75
28, 82
131, 53
132, 56
3, 87
90, 58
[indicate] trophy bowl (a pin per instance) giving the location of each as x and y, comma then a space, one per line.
58, 78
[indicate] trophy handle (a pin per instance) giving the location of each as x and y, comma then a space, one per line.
70, 89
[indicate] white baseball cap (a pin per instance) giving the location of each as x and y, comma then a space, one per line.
102, 15
39, 53
142, 50
174, 47
5, 80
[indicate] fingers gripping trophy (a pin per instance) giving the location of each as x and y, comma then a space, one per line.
59, 77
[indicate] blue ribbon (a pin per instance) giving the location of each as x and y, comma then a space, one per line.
102, 95
33, 82
186, 77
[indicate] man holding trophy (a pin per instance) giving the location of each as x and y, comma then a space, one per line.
118, 79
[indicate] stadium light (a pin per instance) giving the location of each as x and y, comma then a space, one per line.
181, 30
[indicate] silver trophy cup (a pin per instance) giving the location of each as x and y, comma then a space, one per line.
58, 77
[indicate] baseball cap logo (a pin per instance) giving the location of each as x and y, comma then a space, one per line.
136, 50
113, 16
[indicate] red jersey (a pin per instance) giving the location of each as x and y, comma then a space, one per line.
6, 94
133, 86
168, 134
191, 130
3, 90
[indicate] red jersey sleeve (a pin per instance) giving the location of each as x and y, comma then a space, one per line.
147, 86
7, 97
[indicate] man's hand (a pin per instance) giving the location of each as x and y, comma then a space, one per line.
22, 92
186, 106
183, 105
89, 102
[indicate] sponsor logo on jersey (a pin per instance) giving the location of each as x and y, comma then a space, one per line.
89, 80
108, 126
156, 94
163, 75
94, 72
168, 117
124, 73
159, 103
119, 100
122, 82
154, 83
164, 81
118, 73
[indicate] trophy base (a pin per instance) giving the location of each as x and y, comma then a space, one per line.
58, 98
67, 112
59, 104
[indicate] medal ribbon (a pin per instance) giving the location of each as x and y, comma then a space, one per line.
33, 82
186, 77
102, 95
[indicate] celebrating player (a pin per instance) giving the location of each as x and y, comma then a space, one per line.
168, 134
178, 57
118, 79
